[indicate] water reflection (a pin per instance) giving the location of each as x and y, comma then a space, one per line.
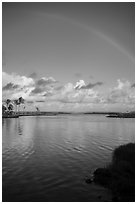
20, 126
18, 135
46, 158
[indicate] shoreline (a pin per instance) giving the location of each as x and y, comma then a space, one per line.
119, 175
34, 113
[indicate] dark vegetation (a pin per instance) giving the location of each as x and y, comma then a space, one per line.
119, 176
122, 115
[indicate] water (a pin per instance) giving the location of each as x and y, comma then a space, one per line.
47, 158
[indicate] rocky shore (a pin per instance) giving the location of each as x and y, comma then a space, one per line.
119, 175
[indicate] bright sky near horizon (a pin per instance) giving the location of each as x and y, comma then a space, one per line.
69, 56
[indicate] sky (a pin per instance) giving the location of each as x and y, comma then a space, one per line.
69, 56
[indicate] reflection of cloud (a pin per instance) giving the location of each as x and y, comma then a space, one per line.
20, 127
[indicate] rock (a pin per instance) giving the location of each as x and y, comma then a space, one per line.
88, 180
115, 199
102, 176
99, 196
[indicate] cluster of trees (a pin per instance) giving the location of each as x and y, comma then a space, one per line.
12, 105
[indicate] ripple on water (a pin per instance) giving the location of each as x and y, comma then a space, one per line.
78, 148
52, 159
105, 147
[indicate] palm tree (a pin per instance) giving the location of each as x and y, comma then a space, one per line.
21, 100
3, 109
16, 102
7, 102
37, 109
10, 107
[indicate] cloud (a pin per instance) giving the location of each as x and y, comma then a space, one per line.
46, 81
90, 85
33, 75
71, 94
81, 85
133, 85
80, 98
122, 93
37, 90
16, 85
43, 85
68, 96
47, 94
29, 102
40, 101
10, 86
16, 79
58, 88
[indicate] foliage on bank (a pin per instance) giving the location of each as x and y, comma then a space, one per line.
119, 175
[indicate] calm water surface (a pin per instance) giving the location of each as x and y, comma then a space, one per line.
47, 158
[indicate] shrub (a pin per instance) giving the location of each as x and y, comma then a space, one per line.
119, 176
